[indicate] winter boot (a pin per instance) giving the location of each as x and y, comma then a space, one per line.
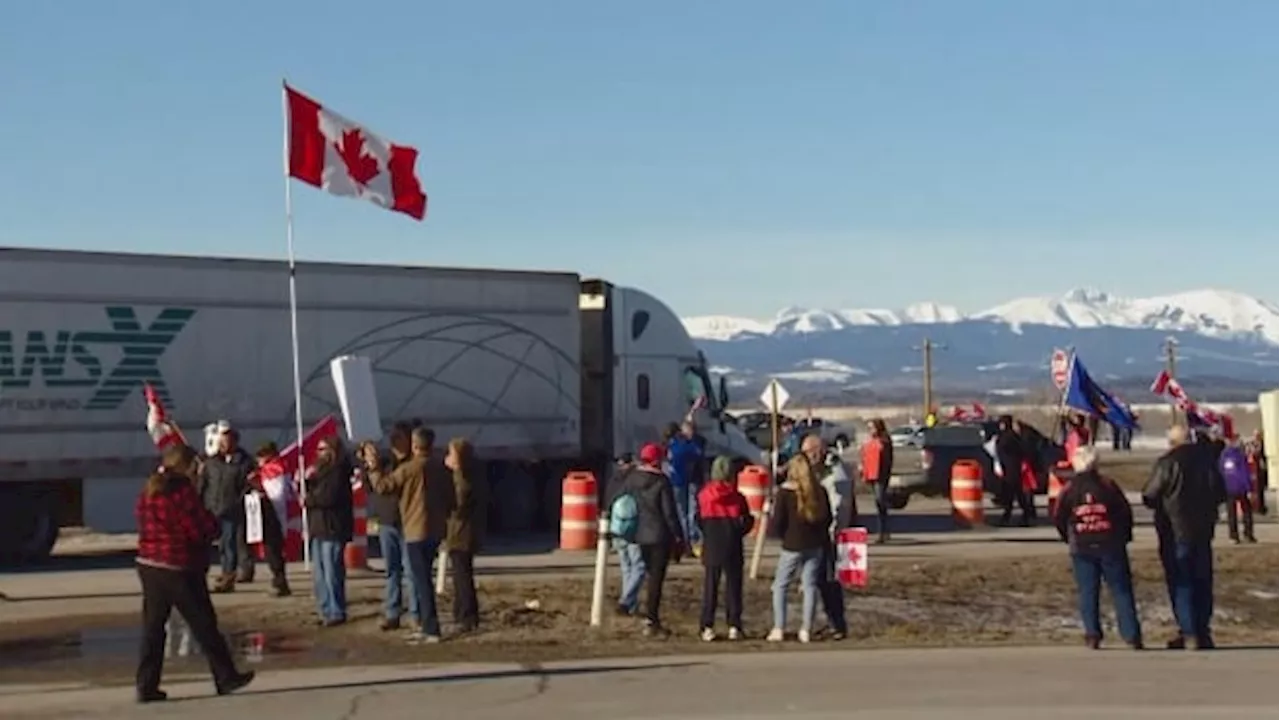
280, 587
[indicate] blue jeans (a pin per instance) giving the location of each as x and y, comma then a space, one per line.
1193, 588
329, 577
809, 564
631, 563
1090, 572
392, 543
228, 557
422, 562
687, 507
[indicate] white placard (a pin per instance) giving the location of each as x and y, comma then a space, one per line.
1269, 406
252, 519
353, 379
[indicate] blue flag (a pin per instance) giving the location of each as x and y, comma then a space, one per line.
1087, 396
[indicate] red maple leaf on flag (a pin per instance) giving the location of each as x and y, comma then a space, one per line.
855, 555
361, 167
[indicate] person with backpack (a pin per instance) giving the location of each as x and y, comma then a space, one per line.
657, 527
623, 518
1233, 463
1094, 518
802, 518
725, 518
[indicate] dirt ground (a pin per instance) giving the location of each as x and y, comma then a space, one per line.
908, 604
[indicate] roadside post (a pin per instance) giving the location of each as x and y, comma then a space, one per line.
602, 564
774, 397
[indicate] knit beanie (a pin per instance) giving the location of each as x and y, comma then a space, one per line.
722, 469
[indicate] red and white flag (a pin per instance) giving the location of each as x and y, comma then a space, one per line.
1166, 386
334, 154
163, 432
851, 557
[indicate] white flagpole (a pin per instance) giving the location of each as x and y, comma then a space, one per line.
293, 327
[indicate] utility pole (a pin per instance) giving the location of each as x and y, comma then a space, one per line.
1176, 416
927, 348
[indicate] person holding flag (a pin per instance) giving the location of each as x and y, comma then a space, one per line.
1088, 397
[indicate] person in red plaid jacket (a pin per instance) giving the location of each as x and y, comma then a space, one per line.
175, 532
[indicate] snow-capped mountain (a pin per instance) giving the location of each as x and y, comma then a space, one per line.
1226, 338
1214, 313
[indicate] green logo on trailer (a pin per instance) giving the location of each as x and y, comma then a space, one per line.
62, 360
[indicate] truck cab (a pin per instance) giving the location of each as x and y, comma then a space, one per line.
642, 371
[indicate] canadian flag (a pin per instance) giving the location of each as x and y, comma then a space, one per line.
1166, 386
332, 153
163, 432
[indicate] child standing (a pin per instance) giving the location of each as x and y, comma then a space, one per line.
725, 519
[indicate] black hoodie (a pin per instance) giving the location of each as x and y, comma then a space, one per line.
1093, 516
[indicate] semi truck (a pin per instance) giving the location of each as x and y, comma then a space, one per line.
545, 372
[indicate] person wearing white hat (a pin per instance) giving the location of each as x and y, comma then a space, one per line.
224, 481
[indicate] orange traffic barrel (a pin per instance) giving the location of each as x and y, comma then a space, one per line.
355, 556
579, 512
1056, 483
966, 494
753, 483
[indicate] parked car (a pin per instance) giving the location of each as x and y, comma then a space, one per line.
756, 426
834, 434
907, 436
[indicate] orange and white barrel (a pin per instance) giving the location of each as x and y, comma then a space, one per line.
579, 512
356, 556
753, 483
966, 494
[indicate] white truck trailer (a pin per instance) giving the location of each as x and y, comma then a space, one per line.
543, 371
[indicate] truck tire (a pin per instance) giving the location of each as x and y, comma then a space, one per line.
28, 524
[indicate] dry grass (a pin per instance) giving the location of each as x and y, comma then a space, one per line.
936, 603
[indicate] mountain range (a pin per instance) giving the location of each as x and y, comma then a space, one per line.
1228, 344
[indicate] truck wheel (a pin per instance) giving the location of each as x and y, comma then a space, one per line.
897, 502
28, 525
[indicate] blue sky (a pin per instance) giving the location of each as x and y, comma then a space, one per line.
731, 157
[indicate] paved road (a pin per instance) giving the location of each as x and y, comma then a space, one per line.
991, 684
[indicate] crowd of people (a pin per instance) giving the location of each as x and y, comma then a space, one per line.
421, 498
667, 502
649, 529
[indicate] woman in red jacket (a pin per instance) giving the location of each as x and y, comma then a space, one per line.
175, 532
877, 468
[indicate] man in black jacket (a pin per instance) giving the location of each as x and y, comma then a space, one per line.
1095, 520
1011, 451
224, 481
658, 530
1185, 490
330, 525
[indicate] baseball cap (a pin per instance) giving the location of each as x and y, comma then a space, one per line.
650, 453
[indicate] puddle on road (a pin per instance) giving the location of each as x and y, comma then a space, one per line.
100, 645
